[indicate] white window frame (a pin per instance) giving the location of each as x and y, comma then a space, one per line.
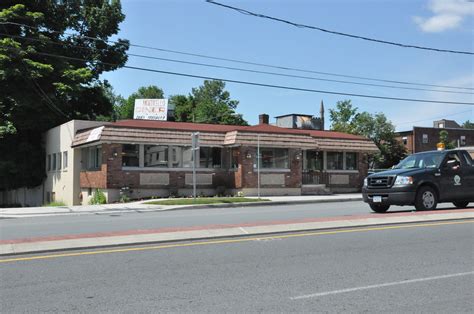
65, 161
425, 139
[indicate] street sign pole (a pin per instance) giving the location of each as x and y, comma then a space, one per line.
194, 149
258, 166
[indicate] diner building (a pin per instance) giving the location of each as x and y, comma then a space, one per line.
145, 158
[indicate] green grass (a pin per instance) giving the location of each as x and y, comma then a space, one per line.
55, 204
206, 200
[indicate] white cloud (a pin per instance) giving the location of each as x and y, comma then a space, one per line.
447, 14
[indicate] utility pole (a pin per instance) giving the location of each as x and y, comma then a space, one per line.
194, 149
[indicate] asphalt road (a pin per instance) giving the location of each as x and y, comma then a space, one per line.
77, 224
396, 269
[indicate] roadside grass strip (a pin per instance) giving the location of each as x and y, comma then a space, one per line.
206, 201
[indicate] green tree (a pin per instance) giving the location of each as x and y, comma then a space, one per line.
444, 138
52, 54
468, 125
126, 108
208, 103
346, 118
117, 102
341, 117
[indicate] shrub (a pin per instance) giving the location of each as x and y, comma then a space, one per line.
56, 203
98, 197
124, 198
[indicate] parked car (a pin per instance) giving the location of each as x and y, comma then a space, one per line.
423, 180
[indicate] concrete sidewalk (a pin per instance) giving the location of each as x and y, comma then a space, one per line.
140, 206
127, 237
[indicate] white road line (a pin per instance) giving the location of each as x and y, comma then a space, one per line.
243, 230
322, 294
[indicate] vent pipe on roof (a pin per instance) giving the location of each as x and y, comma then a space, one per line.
263, 118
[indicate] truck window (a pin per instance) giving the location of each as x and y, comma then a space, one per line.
451, 157
467, 158
422, 160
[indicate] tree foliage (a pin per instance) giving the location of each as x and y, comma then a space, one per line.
208, 103
444, 138
468, 125
376, 127
49, 73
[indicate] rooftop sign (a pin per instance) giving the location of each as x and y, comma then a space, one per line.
95, 134
151, 109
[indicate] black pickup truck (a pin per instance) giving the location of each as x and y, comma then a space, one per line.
423, 180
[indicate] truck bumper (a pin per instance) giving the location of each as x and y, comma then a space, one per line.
389, 196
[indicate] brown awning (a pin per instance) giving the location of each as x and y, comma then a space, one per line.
270, 140
365, 146
112, 134
129, 135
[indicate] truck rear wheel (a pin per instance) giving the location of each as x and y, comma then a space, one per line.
426, 198
379, 208
461, 204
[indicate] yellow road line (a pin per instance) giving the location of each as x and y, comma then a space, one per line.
224, 241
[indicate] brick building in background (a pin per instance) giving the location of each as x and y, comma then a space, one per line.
421, 139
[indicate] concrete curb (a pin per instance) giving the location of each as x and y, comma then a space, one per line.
244, 230
158, 208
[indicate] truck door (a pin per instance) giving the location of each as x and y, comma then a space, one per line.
451, 178
468, 173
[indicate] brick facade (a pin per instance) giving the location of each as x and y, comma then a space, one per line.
112, 176
415, 142
433, 137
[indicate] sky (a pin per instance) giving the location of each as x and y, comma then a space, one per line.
194, 26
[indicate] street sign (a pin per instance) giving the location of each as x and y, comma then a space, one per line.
151, 109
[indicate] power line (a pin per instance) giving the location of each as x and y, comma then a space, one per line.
243, 69
438, 117
265, 85
246, 12
251, 63
294, 76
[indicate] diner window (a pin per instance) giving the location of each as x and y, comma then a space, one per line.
187, 155
234, 158
64, 160
274, 158
130, 155
53, 167
351, 161
405, 140
156, 156
335, 161
175, 156
425, 138
94, 158
210, 157
314, 160
59, 161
